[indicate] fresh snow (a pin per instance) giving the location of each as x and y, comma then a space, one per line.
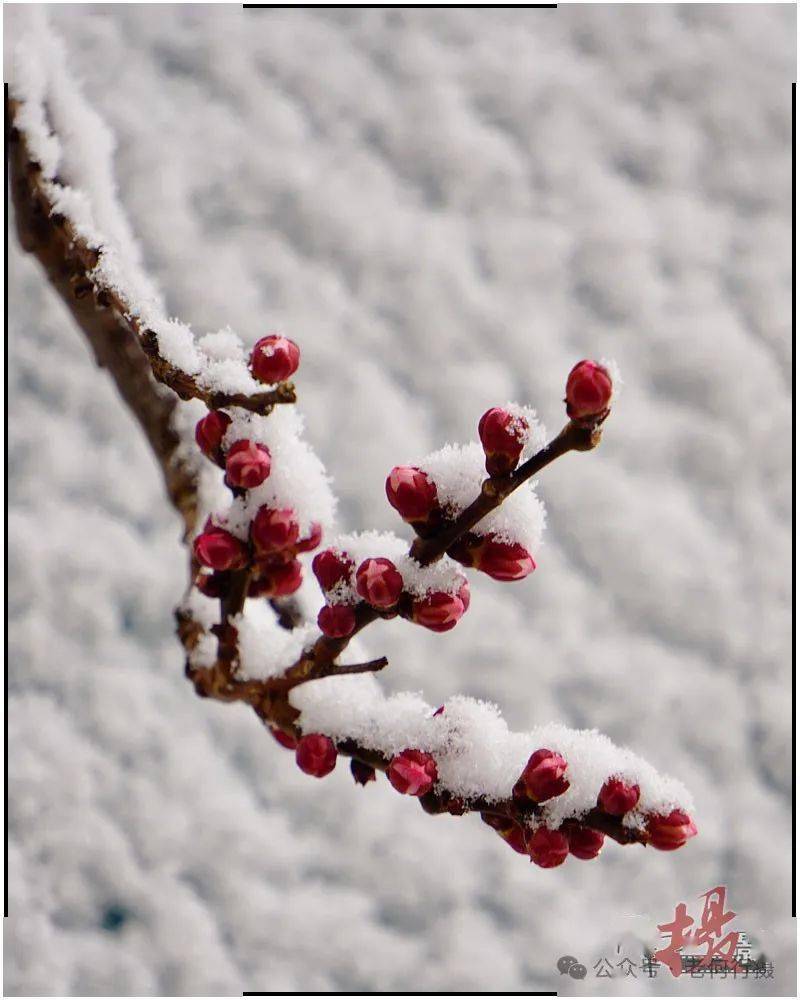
475, 752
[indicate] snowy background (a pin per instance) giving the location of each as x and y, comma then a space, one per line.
446, 209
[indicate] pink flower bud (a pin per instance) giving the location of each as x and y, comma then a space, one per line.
274, 359
438, 612
412, 772
589, 389
411, 492
209, 433
379, 583
219, 549
543, 777
285, 740
463, 595
331, 567
337, 621
584, 842
512, 833
362, 773
439, 711
312, 540
548, 848
617, 797
274, 530
247, 464
316, 755
505, 560
668, 833
503, 437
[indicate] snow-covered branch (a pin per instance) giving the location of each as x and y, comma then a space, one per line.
237, 468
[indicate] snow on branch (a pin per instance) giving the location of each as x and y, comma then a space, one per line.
256, 501
70, 161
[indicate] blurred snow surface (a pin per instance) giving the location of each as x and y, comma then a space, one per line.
446, 208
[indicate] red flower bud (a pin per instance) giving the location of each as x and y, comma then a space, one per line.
668, 833
496, 822
543, 777
439, 711
438, 611
247, 464
379, 583
504, 560
312, 540
548, 848
316, 755
589, 389
617, 797
412, 772
285, 740
515, 835
337, 621
267, 570
584, 842
209, 433
219, 549
274, 530
274, 358
286, 579
331, 567
362, 773
410, 492
503, 437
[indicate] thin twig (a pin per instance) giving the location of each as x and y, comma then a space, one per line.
496, 489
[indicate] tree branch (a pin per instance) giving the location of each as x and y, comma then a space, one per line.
115, 347
130, 354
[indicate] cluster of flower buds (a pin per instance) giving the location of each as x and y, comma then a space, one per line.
271, 552
378, 583
504, 561
413, 495
544, 777
274, 540
547, 848
589, 391
411, 772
